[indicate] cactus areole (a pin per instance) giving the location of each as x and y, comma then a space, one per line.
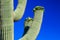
7, 17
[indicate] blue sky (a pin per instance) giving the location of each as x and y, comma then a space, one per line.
50, 28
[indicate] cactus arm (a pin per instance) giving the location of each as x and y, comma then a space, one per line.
35, 26
6, 20
20, 9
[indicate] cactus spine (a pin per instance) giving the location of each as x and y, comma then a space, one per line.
7, 17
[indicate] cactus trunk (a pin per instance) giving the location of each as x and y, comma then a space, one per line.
6, 9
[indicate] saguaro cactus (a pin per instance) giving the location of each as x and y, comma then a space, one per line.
7, 17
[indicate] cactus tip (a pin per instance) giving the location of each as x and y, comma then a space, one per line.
38, 8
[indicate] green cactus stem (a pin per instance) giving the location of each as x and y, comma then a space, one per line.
7, 17
32, 26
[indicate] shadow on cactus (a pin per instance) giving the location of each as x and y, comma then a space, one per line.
32, 26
